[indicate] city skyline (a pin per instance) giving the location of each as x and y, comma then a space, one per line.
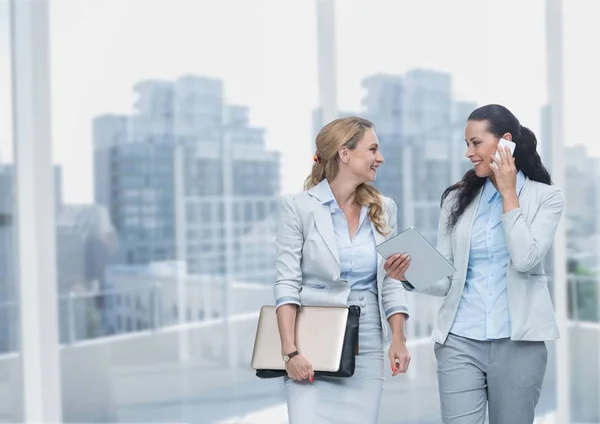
278, 80
174, 115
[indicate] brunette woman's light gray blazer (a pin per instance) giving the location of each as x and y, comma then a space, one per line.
529, 232
307, 261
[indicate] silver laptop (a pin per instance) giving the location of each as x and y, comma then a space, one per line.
427, 265
320, 335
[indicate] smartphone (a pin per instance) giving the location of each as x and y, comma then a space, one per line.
504, 143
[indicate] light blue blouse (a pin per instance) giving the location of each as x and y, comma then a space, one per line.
358, 257
483, 309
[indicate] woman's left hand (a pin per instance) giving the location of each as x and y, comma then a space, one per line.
399, 357
505, 171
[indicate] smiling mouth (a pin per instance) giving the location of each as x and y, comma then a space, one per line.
477, 163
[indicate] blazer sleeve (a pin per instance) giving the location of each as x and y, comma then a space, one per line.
444, 246
393, 294
288, 255
528, 244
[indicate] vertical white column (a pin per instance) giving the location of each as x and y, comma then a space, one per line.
230, 256
554, 67
597, 287
408, 202
181, 251
327, 60
35, 211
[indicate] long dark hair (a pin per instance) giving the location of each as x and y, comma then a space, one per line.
500, 121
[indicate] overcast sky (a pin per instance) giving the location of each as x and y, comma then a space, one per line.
266, 53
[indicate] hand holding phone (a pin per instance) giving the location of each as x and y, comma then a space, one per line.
503, 143
505, 170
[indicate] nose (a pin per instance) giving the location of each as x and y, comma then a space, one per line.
380, 158
470, 152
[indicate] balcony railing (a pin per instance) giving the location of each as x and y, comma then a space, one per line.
199, 371
152, 305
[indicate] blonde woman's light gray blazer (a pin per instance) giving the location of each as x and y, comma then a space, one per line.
529, 232
308, 264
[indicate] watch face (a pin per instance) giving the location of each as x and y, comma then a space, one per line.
286, 358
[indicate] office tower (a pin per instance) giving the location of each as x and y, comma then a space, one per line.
184, 176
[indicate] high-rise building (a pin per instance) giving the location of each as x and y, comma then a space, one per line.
85, 239
460, 164
582, 197
413, 115
383, 104
185, 177
581, 193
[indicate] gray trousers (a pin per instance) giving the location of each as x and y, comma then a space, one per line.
505, 375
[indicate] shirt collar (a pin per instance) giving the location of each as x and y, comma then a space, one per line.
490, 192
322, 191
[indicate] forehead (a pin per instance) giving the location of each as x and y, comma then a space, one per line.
476, 129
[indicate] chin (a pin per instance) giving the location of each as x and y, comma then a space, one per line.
366, 177
371, 178
483, 173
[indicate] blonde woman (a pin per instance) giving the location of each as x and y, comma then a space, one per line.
326, 256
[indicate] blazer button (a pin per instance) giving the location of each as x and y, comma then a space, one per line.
362, 297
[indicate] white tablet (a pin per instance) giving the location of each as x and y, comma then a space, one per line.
427, 265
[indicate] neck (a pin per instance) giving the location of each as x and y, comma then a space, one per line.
493, 180
344, 191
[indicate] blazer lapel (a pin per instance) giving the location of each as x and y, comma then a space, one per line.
324, 225
378, 239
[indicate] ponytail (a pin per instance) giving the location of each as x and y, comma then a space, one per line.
527, 158
317, 174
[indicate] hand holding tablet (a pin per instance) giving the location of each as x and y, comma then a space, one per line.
422, 265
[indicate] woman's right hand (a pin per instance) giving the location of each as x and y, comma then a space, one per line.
299, 368
396, 265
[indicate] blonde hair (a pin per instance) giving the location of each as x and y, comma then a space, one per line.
333, 136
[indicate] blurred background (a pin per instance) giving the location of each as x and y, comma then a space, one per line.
142, 246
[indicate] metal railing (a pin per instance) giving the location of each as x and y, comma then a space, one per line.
91, 315
152, 306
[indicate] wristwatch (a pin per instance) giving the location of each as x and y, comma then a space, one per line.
410, 286
288, 356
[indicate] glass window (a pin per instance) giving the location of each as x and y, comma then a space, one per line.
134, 111
10, 350
136, 104
581, 189
419, 89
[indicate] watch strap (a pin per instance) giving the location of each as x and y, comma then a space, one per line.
407, 285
